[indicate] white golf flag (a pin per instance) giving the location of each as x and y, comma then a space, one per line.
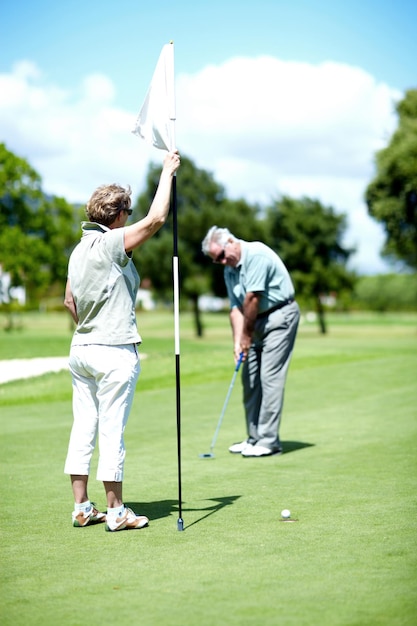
155, 122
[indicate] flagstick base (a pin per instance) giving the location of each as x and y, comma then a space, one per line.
180, 524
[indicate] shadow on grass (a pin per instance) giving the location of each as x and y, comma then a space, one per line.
165, 508
220, 503
154, 510
292, 446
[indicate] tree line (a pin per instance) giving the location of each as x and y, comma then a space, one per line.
38, 232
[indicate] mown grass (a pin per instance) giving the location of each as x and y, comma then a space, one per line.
347, 475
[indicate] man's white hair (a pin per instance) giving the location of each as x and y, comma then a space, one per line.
216, 235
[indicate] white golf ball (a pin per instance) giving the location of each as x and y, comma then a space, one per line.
285, 513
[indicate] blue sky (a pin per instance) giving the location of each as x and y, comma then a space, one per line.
123, 39
324, 75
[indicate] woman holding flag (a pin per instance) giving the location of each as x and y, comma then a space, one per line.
104, 363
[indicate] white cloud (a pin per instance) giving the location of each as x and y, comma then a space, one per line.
266, 127
263, 126
75, 141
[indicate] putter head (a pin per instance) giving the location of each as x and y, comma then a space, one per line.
207, 455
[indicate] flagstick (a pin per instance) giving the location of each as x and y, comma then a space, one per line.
151, 126
180, 522
175, 273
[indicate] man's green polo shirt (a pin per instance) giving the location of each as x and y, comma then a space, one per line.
260, 270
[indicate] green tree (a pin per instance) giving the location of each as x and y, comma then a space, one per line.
392, 194
386, 292
201, 203
37, 231
307, 236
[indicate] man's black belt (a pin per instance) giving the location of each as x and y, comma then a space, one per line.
280, 305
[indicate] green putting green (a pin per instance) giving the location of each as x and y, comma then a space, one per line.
347, 475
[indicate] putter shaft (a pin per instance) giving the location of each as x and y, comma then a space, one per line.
210, 454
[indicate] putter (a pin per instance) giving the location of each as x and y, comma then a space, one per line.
210, 455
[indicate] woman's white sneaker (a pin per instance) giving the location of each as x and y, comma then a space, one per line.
93, 516
128, 520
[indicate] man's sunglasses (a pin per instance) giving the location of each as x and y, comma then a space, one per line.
220, 257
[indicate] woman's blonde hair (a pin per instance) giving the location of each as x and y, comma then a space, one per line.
106, 203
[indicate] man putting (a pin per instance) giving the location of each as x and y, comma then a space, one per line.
264, 318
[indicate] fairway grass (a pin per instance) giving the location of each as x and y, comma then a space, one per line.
348, 476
